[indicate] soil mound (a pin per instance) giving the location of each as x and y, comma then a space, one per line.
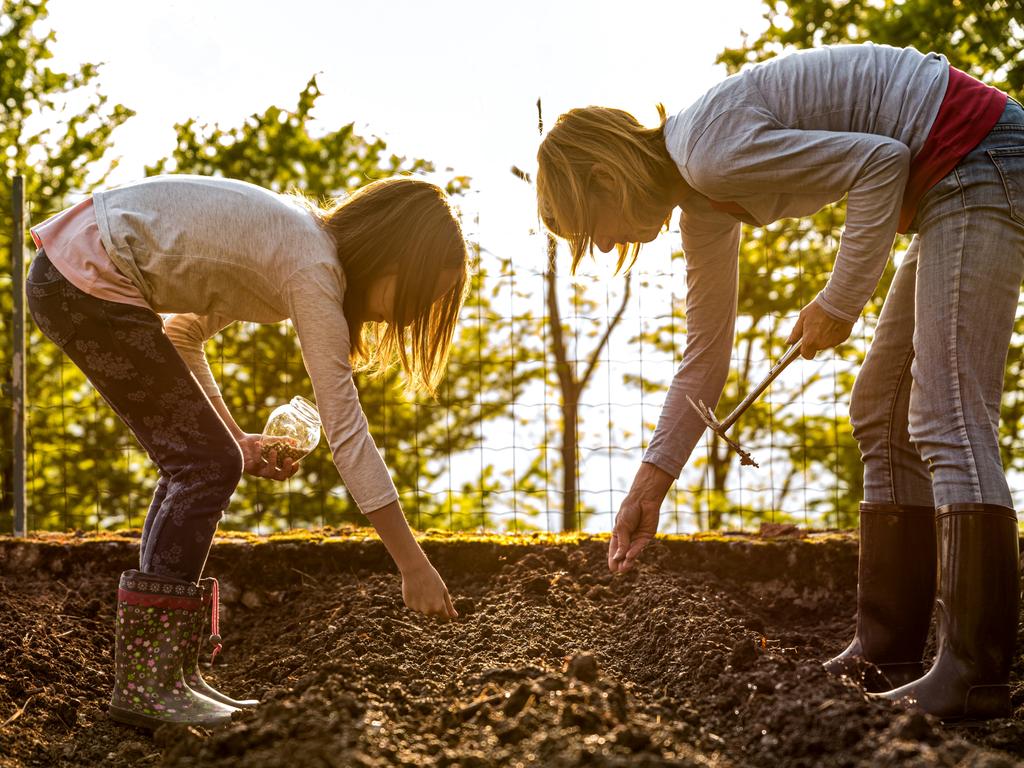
707, 655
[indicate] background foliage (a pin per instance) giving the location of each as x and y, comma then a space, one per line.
86, 470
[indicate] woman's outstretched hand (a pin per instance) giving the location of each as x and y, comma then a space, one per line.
637, 521
635, 526
257, 466
818, 330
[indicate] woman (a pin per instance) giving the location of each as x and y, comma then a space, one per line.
915, 146
378, 276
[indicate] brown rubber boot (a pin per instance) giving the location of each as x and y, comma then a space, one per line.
979, 585
155, 615
895, 594
210, 595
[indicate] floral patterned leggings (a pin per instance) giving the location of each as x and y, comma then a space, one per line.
124, 352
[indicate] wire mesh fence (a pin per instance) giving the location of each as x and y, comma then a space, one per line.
553, 392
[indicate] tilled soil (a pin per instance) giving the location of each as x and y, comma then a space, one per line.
708, 655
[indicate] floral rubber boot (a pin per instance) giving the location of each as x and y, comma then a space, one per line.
210, 593
155, 617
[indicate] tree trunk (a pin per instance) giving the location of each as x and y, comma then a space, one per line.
7, 456
570, 463
567, 386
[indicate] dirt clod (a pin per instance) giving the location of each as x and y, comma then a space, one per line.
583, 666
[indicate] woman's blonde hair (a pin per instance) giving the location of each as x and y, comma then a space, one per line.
405, 227
636, 169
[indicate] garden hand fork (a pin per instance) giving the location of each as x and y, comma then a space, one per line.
721, 427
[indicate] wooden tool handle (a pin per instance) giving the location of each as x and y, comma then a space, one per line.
791, 354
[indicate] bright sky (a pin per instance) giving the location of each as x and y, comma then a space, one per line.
454, 82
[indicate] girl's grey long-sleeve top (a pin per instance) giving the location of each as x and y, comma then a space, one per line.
784, 139
212, 251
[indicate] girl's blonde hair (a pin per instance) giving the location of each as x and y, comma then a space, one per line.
637, 175
405, 227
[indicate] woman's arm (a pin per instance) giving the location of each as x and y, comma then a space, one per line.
637, 521
711, 243
774, 166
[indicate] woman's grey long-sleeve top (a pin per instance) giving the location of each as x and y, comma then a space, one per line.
784, 139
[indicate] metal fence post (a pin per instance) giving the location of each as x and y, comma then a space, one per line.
18, 360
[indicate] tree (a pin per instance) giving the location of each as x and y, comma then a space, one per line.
572, 374
571, 381
56, 162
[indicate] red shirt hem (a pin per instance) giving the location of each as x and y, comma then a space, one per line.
969, 110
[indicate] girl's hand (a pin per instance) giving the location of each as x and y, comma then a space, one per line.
257, 466
818, 330
422, 588
424, 591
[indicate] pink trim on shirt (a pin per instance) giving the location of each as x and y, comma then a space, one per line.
72, 242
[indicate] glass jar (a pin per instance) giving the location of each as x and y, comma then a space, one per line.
293, 429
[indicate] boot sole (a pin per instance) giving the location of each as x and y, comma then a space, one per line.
139, 720
221, 698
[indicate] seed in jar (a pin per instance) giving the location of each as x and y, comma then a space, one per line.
284, 450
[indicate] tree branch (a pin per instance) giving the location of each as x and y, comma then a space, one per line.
596, 353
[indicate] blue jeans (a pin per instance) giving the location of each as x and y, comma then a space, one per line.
124, 352
925, 406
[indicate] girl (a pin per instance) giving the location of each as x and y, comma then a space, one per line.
914, 145
212, 251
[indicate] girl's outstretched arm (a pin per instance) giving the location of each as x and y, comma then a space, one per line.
423, 589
